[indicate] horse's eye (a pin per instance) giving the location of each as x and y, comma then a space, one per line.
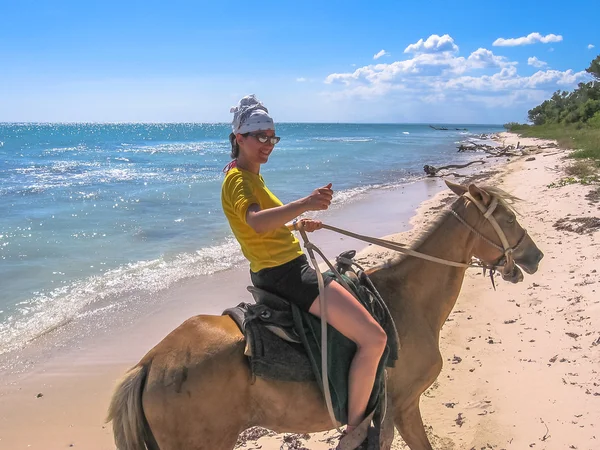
511, 219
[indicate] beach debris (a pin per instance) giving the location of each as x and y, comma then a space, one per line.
495, 152
293, 442
460, 420
449, 404
547, 435
40, 395
594, 195
548, 145
531, 158
456, 359
579, 225
432, 171
332, 440
252, 434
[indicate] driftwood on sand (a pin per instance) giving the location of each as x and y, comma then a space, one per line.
432, 171
503, 150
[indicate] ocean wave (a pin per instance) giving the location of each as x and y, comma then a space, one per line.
201, 148
348, 195
66, 174
59, 150
48, 311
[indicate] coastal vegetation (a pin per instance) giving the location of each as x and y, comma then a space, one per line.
570, 118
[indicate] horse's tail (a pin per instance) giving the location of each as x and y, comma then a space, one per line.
129, 424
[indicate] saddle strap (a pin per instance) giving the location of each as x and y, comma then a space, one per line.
323, 308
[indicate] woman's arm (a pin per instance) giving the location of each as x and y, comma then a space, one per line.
265, 220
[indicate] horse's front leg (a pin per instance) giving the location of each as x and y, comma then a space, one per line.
410, 425
409, 382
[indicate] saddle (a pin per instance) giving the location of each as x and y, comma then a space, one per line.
284, 342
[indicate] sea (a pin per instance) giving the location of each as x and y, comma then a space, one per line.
93, 214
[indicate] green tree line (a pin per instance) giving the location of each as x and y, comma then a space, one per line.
582, 106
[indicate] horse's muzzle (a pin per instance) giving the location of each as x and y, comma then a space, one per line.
528, 256
531, 262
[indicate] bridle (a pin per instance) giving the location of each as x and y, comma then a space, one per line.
506, 261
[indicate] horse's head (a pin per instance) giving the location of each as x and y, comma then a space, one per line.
502, 242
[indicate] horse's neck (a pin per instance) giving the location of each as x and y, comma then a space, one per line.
427, 289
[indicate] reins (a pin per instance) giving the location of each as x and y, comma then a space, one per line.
507, 268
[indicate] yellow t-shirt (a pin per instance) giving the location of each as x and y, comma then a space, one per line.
240, 190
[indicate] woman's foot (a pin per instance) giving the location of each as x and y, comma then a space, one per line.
351, 442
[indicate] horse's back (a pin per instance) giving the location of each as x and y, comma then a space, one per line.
198, 371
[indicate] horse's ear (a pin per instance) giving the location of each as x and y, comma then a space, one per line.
456, 188
479, 194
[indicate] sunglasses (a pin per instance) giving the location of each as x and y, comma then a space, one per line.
263, 138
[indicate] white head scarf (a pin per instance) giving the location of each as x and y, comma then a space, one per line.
250, 115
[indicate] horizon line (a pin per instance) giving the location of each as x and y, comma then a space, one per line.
229, 123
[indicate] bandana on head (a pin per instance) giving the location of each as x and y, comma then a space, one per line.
250, 115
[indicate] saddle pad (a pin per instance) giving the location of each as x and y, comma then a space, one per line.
271, 357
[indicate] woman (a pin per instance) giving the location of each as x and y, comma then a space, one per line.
277, 264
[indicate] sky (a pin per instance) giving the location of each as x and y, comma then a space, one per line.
382, 61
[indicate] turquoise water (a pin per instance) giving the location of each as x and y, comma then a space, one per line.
91, 213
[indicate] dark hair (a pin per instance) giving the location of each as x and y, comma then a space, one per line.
235, 148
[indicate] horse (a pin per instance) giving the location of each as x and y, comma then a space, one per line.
195, 391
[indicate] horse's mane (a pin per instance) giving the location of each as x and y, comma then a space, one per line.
504, 198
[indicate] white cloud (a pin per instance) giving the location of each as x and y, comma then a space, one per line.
433, 44
483, 58
508, 80
533, 61
300, 79
421, 65
531, 38
380, 53
590, 46
432, 77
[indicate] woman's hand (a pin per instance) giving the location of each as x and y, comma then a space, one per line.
309, 225
320, 199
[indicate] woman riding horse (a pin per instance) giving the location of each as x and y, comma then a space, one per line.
277, 264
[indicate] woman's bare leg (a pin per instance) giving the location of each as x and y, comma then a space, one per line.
349, 317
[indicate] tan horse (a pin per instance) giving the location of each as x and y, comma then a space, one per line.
194, 390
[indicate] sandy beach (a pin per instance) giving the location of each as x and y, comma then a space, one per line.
521, 363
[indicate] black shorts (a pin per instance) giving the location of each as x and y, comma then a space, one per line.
295, 281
